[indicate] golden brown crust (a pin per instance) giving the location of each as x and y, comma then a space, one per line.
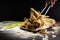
37, 20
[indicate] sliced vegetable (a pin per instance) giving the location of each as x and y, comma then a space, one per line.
13, 25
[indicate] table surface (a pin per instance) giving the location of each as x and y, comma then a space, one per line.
15, 35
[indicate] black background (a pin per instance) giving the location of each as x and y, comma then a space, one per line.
17, 10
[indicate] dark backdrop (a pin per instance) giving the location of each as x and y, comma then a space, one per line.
17, 10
